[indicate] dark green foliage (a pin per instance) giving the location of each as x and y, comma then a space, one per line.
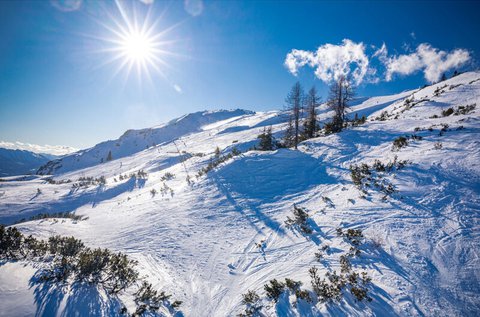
167, 176
148, 298
399, 142
54, 215
65, 246
345, 264
326, 290
214, 163
68, 259
331, 288
299, 220
274, 289
358, 121
364, 176
252, 302
460, 110
266, 142
310, 125
10, 242
447, 112
176, 304
292, 285
109, 156
303, 294
89, 181
34, 247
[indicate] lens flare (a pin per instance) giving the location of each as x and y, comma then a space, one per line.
136, 42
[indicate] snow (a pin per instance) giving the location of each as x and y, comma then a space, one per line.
200, 244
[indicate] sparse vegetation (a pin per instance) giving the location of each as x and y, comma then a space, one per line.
67, 259
252, 303
399, 142
274, 289
299, 220
40, 216
365, 176
219, 160
167, 176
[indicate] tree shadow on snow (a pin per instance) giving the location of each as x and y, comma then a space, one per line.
79, 299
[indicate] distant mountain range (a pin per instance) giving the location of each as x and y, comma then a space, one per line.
17, 158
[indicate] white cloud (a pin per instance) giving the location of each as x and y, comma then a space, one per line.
432, 61
332, 61
41, 149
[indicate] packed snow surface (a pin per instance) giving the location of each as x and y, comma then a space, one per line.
200, 241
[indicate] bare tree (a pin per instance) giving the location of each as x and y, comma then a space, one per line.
310, 125
294, 103
341, 93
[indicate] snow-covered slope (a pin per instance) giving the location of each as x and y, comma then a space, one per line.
134, 141
224, 233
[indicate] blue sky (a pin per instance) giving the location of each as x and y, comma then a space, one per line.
55, 87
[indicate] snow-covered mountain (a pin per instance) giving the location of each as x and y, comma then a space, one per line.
134, 141
207, 238
18, 162
17, 158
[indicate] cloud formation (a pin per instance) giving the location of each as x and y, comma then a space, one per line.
331, 61
432, 61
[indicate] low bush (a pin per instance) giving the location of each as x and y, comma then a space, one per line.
299, 220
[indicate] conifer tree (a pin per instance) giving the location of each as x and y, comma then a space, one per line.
266, 140
294, 103
109, 156
310, 125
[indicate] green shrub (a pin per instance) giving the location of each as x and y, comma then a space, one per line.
399, 143
299, 220
274, 289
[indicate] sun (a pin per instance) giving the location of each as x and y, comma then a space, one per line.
136, 44
137, 47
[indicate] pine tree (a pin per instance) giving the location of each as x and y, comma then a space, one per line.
310, 124
266, 140
289, 136
217, 152
294, 103
109, 156
444, 77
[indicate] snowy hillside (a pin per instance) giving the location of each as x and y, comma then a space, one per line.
134, 141
207, 238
